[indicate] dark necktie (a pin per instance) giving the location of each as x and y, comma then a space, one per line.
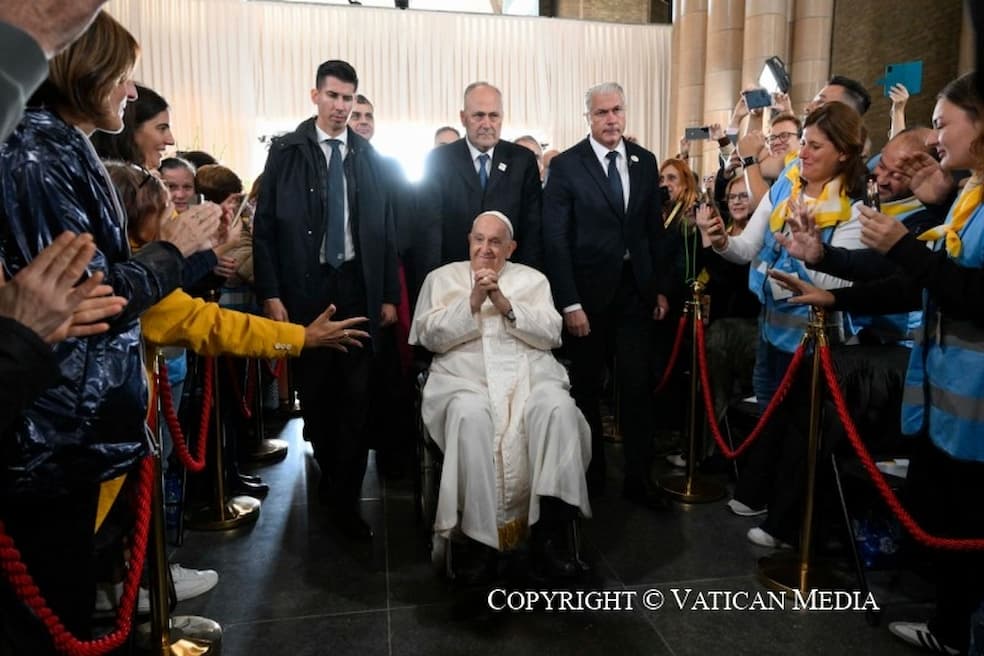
483, 174
615, 180
335, 208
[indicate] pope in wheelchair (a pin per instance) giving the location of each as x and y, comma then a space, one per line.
497, 404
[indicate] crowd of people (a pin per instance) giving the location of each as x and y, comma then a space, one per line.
503, 263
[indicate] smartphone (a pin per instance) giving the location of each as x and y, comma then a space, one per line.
908, 74
757, 98
196, 199
871, 193
697, 134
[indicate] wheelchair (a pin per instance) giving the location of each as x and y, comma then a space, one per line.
427, 485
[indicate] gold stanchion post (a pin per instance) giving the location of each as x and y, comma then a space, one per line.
195, 635
263, 449
799, 573
224, 513
690, 487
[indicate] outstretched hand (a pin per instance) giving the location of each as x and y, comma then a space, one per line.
338, 335
803, 241
804, 293
925, 177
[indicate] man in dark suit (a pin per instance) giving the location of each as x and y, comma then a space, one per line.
324, 234
476, 174
602, 231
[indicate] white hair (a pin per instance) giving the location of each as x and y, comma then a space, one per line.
604, 87
499, 215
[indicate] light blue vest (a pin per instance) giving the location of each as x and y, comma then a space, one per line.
944, 385
783, 324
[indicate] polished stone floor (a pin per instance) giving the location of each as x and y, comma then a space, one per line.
289, 585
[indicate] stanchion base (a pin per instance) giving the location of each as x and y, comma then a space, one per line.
784, 572
691, 490
189, 635
268, 450
239, 511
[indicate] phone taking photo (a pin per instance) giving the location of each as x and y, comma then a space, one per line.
757, 98
697, 134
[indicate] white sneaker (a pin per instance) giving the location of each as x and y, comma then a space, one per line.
740, 509
677, 459
918, 634
763, 539
188, 583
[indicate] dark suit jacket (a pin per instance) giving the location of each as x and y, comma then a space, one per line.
289, 225
451, 197
585, 233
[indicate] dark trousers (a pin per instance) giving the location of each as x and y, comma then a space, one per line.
871, 379
622, 331
391, 418
945, 496
334, 391
55, 539
759, 464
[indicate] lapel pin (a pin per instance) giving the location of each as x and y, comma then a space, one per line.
502, 166
633, 159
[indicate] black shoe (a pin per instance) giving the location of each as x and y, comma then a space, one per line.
646, 495
553, 562
241, 486
250, 478
351, 525
479, 565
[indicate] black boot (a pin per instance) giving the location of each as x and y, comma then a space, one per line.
554, 553
476, 564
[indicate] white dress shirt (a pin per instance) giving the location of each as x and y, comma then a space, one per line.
323, 138
476, 153
621, 164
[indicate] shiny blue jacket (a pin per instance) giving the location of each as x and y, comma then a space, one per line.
90, 425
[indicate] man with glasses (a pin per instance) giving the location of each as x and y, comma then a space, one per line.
764, 159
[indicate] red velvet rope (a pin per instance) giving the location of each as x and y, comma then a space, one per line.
196, 463
27, 592
886, 492
705, 382
250, 386
237, 390
277, 369
674, 354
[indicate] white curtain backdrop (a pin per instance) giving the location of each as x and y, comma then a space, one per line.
234, 71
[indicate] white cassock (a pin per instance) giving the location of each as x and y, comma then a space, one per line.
498, 404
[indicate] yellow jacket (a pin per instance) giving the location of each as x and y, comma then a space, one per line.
205, 328
181, 320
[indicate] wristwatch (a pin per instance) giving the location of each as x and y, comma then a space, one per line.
510, 316
749, 161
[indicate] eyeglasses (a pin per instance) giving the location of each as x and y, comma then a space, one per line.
782, 136
741, 195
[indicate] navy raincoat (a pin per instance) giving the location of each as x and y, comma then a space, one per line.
89, 426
